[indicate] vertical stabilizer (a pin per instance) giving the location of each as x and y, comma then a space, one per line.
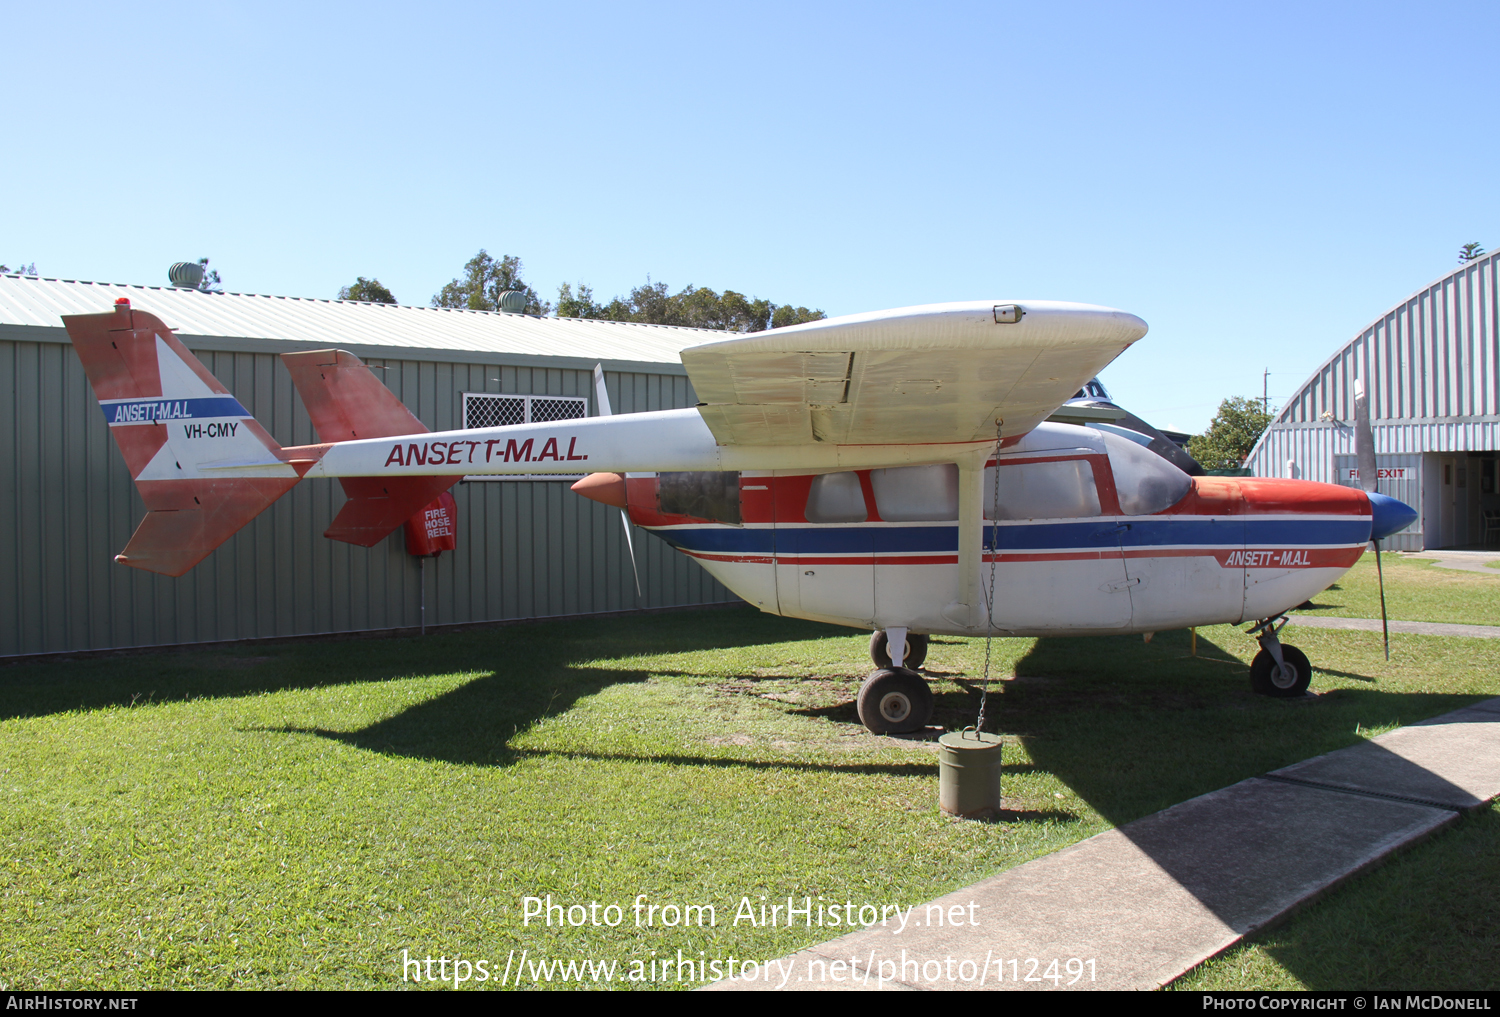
346, 401
202, 464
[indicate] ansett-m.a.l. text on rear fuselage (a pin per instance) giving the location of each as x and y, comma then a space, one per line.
891, 471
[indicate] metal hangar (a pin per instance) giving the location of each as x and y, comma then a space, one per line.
1431, 368
526, 548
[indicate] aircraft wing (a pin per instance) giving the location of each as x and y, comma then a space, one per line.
937, 373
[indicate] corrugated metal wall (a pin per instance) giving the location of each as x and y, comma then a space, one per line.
1432, 368
1432, 356
526, 549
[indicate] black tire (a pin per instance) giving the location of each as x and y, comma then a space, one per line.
1266, 682
895, 700
916, 649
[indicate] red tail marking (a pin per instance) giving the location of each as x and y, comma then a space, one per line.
346, 401
188, 519
377, 505
185, 519
118, 351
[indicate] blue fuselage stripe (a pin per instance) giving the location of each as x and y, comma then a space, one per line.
1174, 531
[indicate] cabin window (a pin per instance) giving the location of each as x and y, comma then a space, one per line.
916, 493
1047, 490
1145, 482
702, 495
836, 498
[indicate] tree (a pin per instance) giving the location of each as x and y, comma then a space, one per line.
20, 269
1232, 434
692, 306
211, 283
1469, 252
484, 279
368, 290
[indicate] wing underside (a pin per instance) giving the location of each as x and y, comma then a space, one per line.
940, 373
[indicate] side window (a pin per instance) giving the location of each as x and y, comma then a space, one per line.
702, 495
916, 493
1050, 490
1145, 482
836, 498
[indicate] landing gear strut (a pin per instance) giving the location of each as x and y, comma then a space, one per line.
880, 654
1278, 670
895, 700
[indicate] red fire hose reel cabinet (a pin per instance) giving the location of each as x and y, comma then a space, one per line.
434, 529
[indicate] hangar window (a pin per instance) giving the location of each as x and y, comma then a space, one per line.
1060, 489
836, 498
483, 409
916, 493
486, 409
1145, 482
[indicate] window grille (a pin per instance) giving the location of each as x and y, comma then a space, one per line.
483, 409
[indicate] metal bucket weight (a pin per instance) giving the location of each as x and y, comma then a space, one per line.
969, 774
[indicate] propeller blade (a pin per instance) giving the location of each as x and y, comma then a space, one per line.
601, 393
1364, 452
601, 401
1385, 626
1364, 438
630, 543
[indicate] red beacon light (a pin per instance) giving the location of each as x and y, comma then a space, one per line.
122, 301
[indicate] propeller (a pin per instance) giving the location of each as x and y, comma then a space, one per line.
1364, 452
601, 397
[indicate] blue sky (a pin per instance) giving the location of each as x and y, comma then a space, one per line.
1256, 181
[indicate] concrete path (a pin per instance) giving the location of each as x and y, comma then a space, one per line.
1135, 907
1409, 628
1463, 561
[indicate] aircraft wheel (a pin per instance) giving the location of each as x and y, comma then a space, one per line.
895, 700
916, 649
1267, 679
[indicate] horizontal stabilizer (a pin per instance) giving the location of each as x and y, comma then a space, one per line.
346, 402
188, 519
377, 505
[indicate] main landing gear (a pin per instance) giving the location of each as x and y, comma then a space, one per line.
1277, 670
896, 700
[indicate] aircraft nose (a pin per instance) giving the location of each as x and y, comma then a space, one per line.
608, 488
1387, 515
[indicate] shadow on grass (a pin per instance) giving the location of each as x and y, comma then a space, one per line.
1430, 917
530, 650
1134, 729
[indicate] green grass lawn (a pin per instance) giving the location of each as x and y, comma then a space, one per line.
1415, 590
299, 815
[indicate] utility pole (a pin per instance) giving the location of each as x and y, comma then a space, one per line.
1265, 391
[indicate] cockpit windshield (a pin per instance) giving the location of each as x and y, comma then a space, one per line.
1145, 482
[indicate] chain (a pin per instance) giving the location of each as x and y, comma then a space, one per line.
989, 601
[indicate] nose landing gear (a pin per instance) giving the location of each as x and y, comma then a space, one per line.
880, 654
1280, 671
